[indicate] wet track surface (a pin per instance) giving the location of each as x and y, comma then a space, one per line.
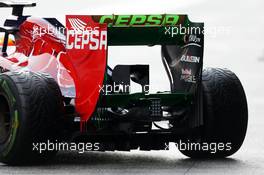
137, 163
241, 49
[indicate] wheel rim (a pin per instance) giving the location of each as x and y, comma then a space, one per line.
5, 119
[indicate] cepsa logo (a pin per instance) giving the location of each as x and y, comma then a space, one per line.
86, 35
135, 20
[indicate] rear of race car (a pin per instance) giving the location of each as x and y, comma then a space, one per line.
58, 87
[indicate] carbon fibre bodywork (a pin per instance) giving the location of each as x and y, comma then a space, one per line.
76, 55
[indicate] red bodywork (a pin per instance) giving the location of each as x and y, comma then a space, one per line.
76, 59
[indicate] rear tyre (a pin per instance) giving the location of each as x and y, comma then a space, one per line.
30, 109
225, 115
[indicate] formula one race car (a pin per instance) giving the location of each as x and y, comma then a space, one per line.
56, 87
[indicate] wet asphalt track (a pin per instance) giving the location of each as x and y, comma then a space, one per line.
241, 50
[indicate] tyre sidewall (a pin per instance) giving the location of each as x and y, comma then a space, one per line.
9, 91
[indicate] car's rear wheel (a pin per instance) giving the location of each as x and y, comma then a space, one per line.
30, 107
225, 115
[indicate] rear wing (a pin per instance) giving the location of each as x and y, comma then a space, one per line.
182, 43
88, 38
157, 29
181, 40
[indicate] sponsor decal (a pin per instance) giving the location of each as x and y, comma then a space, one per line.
186, 75
192, 38
190, 59
82, 36
146, 20
77, 24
